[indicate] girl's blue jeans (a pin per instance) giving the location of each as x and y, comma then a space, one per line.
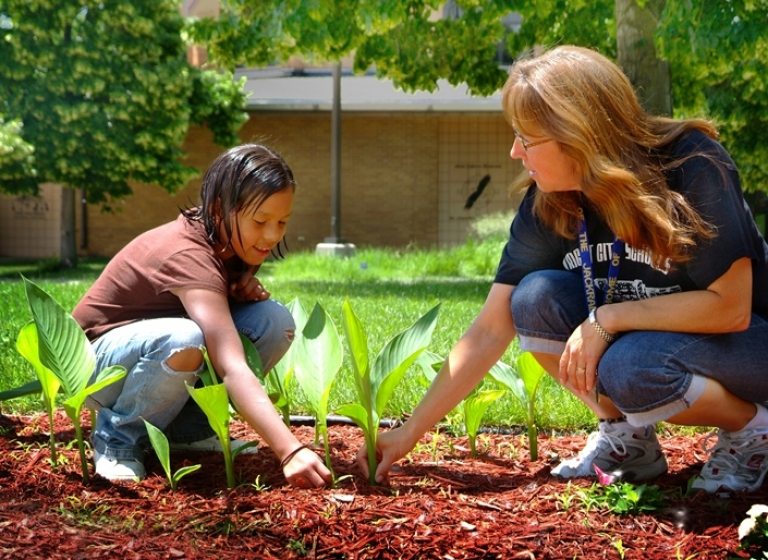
153, 391
649, 375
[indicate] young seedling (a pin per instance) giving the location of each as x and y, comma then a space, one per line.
64, 349
213, 400
49, 384
376, 383
523, 385
473, 407
317, 356
162, 449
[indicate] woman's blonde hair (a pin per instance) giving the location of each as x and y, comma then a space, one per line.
584, 101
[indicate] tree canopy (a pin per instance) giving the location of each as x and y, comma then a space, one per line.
97, 93
717, 49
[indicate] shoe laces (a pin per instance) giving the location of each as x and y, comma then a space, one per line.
726, 454
597, 440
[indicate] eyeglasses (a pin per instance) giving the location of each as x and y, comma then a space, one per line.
526, 144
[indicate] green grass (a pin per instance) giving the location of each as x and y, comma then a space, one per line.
388, 289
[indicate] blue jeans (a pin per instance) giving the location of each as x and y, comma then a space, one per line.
153, 391
649, 375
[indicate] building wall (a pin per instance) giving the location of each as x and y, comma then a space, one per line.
405, 179
30, 225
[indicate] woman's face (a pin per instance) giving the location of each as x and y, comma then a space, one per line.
256, 232
548, 166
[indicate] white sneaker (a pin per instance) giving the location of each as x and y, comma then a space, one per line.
118, 469
737, 463
619, 450
213, 444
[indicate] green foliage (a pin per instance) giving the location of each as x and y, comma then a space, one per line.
162, 449
753, 532
213, 400
49, 384
474, 407
622, 498
318, 356
523, 383
16, 155
718, 52
63, 348
375, 382
402, 39
105, 96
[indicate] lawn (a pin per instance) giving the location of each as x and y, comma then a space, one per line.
388, 289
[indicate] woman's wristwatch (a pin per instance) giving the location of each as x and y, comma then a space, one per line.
604, 334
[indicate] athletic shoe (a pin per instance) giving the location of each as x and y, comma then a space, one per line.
212, 444
620, 451
118, 469
737, 463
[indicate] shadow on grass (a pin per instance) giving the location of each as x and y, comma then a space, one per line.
51, 269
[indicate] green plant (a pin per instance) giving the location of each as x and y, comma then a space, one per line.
213, 400
375, 383
63, 348
474, 407
279, 380
160, 444
523, 385
49, 384
317, 356
622, 498
753, 532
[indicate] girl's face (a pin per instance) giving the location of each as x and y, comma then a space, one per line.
256, 232
547, 164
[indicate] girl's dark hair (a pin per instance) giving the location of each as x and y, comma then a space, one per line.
243, 177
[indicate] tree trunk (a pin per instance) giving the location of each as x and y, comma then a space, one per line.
635, 29
68, 248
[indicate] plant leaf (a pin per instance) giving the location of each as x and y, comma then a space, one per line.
531, 372
398, 355
317, 358
105, 377
27, 345
159, 443
358, 347
357, 413
214, 402
507, 376
476, 406
63, 346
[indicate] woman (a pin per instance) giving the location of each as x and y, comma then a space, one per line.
187, 284
634, 272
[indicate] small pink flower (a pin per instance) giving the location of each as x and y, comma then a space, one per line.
604, 478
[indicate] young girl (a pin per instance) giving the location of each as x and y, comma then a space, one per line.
187, 284
634, 272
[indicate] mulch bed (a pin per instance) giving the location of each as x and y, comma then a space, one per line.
441, 504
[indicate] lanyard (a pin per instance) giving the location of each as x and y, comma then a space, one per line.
587, 271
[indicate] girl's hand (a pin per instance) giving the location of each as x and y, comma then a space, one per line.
578, 362
305, 470
248, 288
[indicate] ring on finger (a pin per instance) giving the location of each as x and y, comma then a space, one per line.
581, 368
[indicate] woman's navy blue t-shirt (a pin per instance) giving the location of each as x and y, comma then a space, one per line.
709, 181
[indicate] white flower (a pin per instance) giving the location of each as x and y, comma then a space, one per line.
748, 525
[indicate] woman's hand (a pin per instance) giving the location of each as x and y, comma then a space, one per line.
306, 470
578, 362
390, 447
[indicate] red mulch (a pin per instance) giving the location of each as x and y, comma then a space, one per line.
441, 504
